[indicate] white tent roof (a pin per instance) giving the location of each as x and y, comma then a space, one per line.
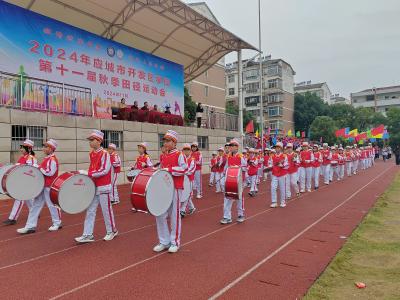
166, 28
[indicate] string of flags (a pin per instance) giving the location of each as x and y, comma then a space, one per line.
372, 135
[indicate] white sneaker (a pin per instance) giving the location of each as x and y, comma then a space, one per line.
85, 239
198, 196
26, 230
283, 204
173, 249
273, 205
225, 221
302, 191
55, 227
309, 191
240, 219
160, 247
134, 209
110, 235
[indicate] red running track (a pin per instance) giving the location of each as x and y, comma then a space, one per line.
275, 254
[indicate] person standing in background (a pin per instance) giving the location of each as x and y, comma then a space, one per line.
199, 114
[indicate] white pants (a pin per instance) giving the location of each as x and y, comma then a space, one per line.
108, 215
363, 164
336, 170
266, 175
349, 166
291, 182
327, 171
316, 171
305, 175
37, 206
115, 196
165, 235
253, 183
17, 208
188, 203
212, 177
341, 171
247, 180
198, 182
228, 207
219, 182
275, 182
259, 174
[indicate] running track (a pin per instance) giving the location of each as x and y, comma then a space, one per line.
276, 254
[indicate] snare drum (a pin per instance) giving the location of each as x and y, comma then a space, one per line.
132, 174
22, 182
72, 192
233, 183
186, 189
152, 191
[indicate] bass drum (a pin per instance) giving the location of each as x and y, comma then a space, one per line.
3, 170
233, 183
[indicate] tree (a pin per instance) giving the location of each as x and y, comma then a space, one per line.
343, 115
324, 127
306, 108
190, 108
393, 124
233, 109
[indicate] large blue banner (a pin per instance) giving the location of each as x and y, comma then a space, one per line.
40, 47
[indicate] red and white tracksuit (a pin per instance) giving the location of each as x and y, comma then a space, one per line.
49, 168
252, 172
220, 175
334, 166
317, 167
349, 157
18, 204
198, 184
116, 169
100, 172
237, 160
260, 168
279, 164
356, 160
143, 161
341, 164
175, 162
191, 168
326, 164
306, 170
213, 163
292, 176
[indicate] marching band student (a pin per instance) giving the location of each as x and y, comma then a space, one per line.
260, 168
197, 175
27, 158
292, 175
246, 179
252, 163
362, 158
191, 168
219, 175
213, 163
334, 169
266, 170
326, 162
100, 172
316, 164
234, 159
116, 169
305, 170
174, 162
341, 163
356, 153
348, 157
49, 168
279, 163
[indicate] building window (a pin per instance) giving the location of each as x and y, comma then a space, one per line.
206, 91
35, 133
203, 142
231, 78
274, 111
252, 88
231, 91
251, 74
275, 125
273, 83
273, 70
114, 137
252, 101
273, 98
370, 97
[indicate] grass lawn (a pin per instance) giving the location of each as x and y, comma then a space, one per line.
371, 255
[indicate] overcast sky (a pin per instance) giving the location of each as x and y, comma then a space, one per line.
350, 44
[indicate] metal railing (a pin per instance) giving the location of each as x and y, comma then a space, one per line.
33, 94
218, 120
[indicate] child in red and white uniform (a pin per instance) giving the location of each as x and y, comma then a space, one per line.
326, 162
143, 161
356, 159
316, 164
116, 169
100, 172
27, 158
252, 169
187, 204
49, 168
174, 162
234, 159
334, 169
341, 163
305, 170
292, 175
349, 157
198, 184
279, 164
363, 156
266, 169
219, 175
260, 168
213, 165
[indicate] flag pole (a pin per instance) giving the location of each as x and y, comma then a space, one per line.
261, 79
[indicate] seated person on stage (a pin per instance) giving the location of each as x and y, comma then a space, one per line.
145, 106
167, 110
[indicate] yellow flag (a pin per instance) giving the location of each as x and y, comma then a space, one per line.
353, 133
289, 133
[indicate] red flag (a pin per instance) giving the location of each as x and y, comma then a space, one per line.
378, 130
303, 134
340, 132
250, 127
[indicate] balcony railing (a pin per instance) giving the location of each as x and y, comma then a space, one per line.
219, 120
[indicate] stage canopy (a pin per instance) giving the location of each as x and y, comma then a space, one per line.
166, 28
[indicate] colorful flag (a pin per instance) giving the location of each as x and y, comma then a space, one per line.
342, 132
369, 135
353, 133
276, 131
386, 135
378, 130
298, 134
250, 127
269, 131
257, 134
289, 133
303, 134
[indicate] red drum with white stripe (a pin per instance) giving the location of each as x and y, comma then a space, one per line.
186, 189
152, 191
22, 182
132, 174
233, 183
72, 192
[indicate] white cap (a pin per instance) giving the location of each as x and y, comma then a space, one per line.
172, 135
304, 144
186, 146
252, 150
96, 134
221, 149
28, 143
112, 146
234, 142
279, 144
289, 145
143, 144
325, 144
52, 143
195, 144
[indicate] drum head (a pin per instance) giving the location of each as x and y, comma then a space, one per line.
186, 189
159, 192
24, 183
3, 170
133, 173
240, 183
76, 194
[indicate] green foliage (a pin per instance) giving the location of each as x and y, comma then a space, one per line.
233, 109
306, 108
324, 127
190, 108
393, 122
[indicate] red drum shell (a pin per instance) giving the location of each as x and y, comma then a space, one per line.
233, 182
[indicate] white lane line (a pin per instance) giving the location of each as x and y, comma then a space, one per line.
260, 263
